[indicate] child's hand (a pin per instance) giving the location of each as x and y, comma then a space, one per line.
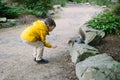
54, 46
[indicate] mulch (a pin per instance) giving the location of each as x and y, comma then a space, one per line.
110, 45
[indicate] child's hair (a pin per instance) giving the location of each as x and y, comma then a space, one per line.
50, 22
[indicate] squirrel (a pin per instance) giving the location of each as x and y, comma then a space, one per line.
80, 39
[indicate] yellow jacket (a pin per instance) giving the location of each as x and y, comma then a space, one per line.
37, 31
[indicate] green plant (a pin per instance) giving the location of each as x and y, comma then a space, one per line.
79, 1
7, 24
63, 2
12, 12
37, 7
116, 9
9, 12
107, 22
98, 2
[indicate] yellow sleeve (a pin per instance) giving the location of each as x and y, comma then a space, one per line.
43, 39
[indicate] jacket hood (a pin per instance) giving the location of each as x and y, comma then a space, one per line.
41, 25
38, 23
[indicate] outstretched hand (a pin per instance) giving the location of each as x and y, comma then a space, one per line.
54, 46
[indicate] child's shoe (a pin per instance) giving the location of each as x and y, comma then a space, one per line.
42, 61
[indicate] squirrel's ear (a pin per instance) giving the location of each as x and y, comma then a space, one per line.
71, 42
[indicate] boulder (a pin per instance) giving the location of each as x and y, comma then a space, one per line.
57, 8
99, 67
93, 36
79, 52
4, 19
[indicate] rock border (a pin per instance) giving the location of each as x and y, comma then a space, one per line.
90, 64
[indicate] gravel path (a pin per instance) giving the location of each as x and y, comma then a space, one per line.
16, 61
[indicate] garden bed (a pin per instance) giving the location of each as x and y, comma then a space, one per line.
111, 46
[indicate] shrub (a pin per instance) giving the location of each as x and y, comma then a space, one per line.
116, 9
9, 12
63, 2
107, 22
37, 7
98, 2
7, 24
12, 12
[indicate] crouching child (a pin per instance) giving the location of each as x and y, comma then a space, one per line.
35, 36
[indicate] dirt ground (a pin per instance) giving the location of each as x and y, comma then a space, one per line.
16, 61
110, 45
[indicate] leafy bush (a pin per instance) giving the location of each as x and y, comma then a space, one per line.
34, 12
63, 2
9, 12
7, 24
98, 2
116, 9
79, 1
12, 12
36, 7
107, 22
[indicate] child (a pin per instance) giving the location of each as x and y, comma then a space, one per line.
35, 36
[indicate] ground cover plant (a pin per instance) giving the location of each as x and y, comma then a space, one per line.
107, 22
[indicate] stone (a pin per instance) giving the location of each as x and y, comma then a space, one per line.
93, 36
4, 19
99, 67
79, 52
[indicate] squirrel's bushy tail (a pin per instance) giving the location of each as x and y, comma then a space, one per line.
78, 40
82, 34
